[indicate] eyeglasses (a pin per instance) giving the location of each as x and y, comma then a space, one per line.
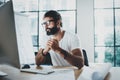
47, 22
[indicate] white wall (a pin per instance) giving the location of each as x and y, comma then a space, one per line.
85, 27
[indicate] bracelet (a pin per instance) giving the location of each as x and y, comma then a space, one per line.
43, 53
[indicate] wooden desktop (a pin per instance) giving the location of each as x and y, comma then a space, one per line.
15, 74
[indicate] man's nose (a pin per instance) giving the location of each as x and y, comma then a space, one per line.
46, 26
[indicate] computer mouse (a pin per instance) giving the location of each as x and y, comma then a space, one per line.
26, 66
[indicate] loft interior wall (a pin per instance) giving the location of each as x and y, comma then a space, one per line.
85, 26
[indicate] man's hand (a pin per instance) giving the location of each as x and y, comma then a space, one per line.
46, 49
53, 44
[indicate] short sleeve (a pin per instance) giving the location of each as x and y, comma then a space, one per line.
75, 42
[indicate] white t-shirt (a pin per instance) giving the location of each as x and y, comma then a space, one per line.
68, 42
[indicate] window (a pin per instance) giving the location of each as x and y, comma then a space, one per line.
107, 31
34, 10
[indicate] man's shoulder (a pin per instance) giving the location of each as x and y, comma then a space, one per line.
71, 34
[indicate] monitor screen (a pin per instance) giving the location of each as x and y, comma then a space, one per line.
8, 40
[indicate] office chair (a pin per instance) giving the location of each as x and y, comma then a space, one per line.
48, 59
49, 62
85, 57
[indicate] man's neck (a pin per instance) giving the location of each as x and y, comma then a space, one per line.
59, 35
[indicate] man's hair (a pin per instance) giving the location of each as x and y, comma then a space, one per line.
53, 14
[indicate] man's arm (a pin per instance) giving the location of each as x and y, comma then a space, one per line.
39, 58
74, 58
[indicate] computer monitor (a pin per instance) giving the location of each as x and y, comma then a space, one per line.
8, 41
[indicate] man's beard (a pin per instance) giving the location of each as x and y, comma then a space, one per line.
52, 31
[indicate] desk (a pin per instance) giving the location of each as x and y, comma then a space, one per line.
15, 74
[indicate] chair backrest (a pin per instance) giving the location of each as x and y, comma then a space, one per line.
48, 60
85, 57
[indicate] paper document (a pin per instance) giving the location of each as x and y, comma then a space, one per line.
96, 71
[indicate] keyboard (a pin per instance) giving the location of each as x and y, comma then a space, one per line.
38, 71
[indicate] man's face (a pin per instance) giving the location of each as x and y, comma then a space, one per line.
50, 26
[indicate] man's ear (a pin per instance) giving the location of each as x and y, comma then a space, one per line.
58, 22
